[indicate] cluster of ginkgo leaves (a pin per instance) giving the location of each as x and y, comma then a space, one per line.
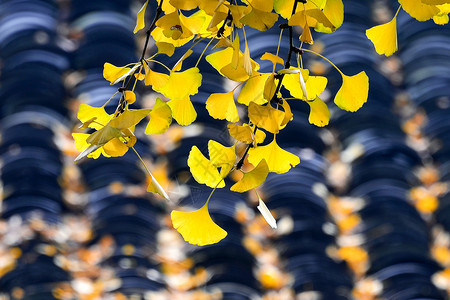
222, 22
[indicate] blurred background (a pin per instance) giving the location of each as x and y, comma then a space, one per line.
365, 215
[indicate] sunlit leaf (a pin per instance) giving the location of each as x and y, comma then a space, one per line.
103, 135
278, 159
252, 179
184, 4
160, 118
236, 51
129, 118
319, 114
435, 2
113, 73
179, 63
182, 84
155, 79
155, 187
183, 111
221, 106
237, 12
442, 17
140, 20
284, 7
203, 170
253, 89
81, 145
87, 113
221, 61
197, 227
265, 212
353, 92
244, 134
269, 87
273, 58
165, 48
384, 37
222, 156
115, 148
265, 117
419, 10
312, 85
287, 113
259, 19
334, 11
130, 96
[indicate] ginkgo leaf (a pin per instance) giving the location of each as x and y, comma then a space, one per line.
418, 10
269, 87
295, 83
278, 160
263, 5
140, 20
253, 89
155, 79
182, 84
435, 2
113, 73
244, 134
217, 18
173, 27
179, 63
237, 12
265, 212
81, 145
197, 227
236, 49
284, 7
306, 35
160, 118
288, 115
221, 106
273, 58
115, 148
129, 96
353, 92
319, 114
203, 170
221, 61
129, 118
221, 156
259, 19
184, 4
442, 17
183, 111
87, 113
334, 11
247, 62
252, 179
265, 117
103, 135
165, 48
155, 187
384, 37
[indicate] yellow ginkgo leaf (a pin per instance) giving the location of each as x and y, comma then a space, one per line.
244, 134
334, 12
236, 50
81, 145
203, 170
253, 89
442, 17
179, 64
103, 135
384, 37
252, 179
129, 118
263, 5
278, 160
237, 12
221, 61
115, 148
87, 113
435, 2
265, 117
222, 156
288, 115
184, 4
258, 19
160, 118
418, 10
265, 212
319, 114
221, 106
182, 84
183, 111
197, 227
269, 87
155, 187
300, 86
173, 27
284, 7
140, 20
113, 73
353, 92
273, 58
155, 79
247, 61
165, 48
130, 96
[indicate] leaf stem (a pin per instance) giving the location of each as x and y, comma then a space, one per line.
323, 57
